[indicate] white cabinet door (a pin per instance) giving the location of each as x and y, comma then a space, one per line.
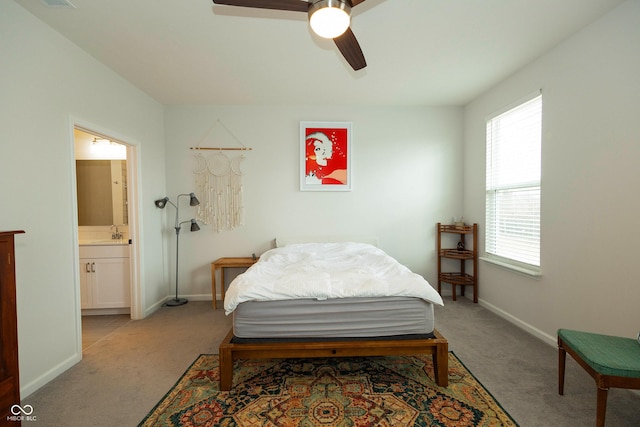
105, 283
111, 283
86, 283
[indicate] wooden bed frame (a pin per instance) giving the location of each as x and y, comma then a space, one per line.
438, 347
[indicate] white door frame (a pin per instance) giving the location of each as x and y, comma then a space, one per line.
133, 195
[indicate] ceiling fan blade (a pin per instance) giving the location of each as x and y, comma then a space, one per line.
354, 3
350, 49
295, 5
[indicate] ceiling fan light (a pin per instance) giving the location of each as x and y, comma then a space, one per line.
329, 18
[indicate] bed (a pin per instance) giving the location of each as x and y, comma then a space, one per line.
330, 299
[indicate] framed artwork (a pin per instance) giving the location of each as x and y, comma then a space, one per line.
325, 156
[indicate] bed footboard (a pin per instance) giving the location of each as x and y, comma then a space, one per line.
438, 347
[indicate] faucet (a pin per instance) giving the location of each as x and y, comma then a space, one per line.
117, 235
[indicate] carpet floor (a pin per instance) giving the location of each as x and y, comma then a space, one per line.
330, 392
126, 373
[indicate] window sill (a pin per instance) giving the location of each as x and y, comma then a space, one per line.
533, 272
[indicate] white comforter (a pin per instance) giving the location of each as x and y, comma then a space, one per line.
326, 270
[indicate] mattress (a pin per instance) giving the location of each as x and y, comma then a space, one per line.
334, 318
325, 271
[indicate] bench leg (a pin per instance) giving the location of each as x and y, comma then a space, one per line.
562, 357
601, 406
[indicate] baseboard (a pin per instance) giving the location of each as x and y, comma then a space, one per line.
551, 340
105, 311
150, 310
28, 389
200, 297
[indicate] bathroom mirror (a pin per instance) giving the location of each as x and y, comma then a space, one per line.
102, 192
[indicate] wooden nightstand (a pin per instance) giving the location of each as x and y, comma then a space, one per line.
222, 263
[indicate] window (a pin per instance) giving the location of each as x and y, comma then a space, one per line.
513, 185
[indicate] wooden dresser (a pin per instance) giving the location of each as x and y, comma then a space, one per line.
9, 373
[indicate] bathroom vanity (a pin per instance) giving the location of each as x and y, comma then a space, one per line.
105, 281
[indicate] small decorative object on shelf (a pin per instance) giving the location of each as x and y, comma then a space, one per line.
458, 223
460, 253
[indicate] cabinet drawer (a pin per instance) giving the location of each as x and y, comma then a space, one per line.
104, 251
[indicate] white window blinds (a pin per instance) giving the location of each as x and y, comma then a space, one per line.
513, 183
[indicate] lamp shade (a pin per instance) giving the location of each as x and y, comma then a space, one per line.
161, 203
193, 200
329, 18
194, 225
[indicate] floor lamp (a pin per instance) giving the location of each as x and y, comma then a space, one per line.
161, 203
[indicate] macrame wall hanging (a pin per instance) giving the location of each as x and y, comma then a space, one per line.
219, 184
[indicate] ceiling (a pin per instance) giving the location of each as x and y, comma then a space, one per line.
419, 52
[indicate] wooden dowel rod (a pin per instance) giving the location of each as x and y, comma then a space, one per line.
221, 148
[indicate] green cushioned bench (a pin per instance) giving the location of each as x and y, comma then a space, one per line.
611, 361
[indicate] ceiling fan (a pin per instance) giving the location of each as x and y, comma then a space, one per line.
328, 18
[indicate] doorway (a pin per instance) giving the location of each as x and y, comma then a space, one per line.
105, 189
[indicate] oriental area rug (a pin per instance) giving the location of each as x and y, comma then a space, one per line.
336, 392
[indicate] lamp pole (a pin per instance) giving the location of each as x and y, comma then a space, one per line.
177, 301
161, 203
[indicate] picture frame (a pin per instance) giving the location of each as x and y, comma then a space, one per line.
325, 156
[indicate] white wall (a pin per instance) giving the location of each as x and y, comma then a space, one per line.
590, 183
45, 83
406, 177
